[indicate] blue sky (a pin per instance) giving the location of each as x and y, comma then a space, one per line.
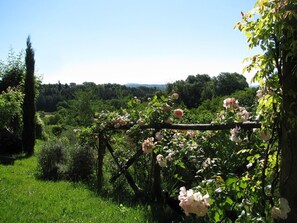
126, 41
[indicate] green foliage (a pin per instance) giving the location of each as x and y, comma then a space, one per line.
11, 109
82, 109
51, 158
12, 72
40, 128
196, 89
80, 162
228, 83
52, 119
191, 89
102, 97
11, 98
60, 160
271, 25
264, 26
209, 108
57, 130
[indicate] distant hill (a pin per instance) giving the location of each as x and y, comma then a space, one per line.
159, 86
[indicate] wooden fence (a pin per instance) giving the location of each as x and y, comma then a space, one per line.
156, 179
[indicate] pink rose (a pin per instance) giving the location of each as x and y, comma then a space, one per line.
174, 96
178, 113
230, 103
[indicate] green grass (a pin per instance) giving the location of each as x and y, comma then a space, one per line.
23, 198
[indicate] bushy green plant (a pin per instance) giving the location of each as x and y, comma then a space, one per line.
80, 162
53, 119
58, 159
51, 158
11, 109
40, 128
57, 130
11, 121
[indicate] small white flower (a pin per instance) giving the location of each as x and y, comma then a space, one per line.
206, 163
169, 157
265, 135
218, 190
158, 136
161, 160
281, 211
234, 135
275, 212
259, 93
249, 165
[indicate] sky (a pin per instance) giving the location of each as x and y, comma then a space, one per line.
126, 41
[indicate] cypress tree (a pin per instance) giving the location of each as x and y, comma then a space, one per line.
28, 135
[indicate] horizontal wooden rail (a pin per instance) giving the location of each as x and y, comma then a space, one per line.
200, 127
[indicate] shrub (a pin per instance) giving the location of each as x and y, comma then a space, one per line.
57, 130
80, 162
53, 119
40, 129
51, 158
58, 160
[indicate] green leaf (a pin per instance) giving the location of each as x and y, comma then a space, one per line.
218, 214
242, 184
229, 200
231, 180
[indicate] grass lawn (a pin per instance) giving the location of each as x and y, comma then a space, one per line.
23, 198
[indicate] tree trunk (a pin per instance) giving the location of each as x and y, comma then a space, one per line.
288, 176
288, 140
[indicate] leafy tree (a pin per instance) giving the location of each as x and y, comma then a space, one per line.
227, 83
195, 89
10, 121
82, 108
28, 135
272, 25
10, 108
192, 89
12, 72
11, 98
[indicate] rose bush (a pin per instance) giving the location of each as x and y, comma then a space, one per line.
230, 167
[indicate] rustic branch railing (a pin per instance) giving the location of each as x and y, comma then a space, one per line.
200, 127
123, 168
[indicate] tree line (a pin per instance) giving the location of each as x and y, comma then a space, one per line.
193, 91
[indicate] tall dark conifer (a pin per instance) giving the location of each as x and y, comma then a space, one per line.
28, 135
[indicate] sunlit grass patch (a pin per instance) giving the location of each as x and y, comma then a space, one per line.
24, 198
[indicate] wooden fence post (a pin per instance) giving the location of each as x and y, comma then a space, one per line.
156, 176
101, 153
